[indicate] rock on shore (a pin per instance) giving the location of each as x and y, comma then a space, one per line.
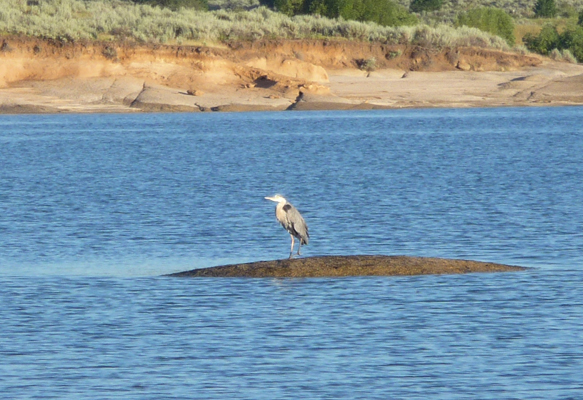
338, 266
47, 76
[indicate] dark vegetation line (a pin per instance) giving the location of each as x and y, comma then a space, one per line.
564, 43
431, 22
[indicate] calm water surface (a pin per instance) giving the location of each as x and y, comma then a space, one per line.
93, 208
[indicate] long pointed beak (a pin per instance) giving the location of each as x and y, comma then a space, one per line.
270, 198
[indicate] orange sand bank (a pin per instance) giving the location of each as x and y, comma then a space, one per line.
49, 77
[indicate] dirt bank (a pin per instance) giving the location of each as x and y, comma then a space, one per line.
50, 76
337, 266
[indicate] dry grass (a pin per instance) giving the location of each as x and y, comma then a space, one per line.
521, 30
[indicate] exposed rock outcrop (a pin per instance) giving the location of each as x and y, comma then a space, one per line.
48, 76
338, 266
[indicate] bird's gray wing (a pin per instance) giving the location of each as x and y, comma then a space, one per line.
295, 223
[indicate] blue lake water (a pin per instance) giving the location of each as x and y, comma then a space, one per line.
94, 208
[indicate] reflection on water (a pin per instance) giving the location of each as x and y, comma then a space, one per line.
93, 206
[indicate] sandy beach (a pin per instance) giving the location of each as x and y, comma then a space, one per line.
39, 76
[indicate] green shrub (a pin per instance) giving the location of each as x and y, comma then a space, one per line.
572, 39
520, 49
448, 10
492, 20
71, 20
545, 42
383, 12
176, 4
347, 9
570, 42
394, 54
444, 36
369, 64
234, 5
580, 21
567, 10
556, 55
545, 9
568, 56
386, 13
425, 5
289, 7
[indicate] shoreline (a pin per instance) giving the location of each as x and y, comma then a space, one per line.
41, 77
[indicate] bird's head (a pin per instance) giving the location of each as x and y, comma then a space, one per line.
278, 198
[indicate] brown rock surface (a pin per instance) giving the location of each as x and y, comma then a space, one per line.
159, 98
47, 76
338, 266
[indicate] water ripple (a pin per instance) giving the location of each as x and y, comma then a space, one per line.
91, 205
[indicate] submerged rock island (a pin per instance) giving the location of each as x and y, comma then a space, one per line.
337, 266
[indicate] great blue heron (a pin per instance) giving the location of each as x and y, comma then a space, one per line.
291, 219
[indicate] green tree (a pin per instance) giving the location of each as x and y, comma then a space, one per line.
425, 5
267, 3
547, 40
492, 20
289, 7
387, 13
545, 9
383, 12
580, 21
347, 9
572, 39
392, 14
317, 7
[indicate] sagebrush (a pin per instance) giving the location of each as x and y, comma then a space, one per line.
71, 20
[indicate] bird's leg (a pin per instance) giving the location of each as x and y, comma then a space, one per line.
299, 247
291, 252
